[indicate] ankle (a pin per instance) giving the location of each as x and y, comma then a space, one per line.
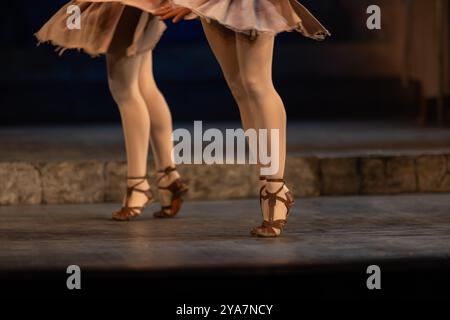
274, 186
164, 178
141, 183
262, 181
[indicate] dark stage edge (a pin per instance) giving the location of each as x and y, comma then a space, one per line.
306, 138
205, 256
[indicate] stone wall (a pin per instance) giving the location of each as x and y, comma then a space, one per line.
97, 182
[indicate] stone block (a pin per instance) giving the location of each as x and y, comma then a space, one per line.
433, 173
389, 175
302, 176
20, 183
219, 182
73, 182
340, 176
115, 181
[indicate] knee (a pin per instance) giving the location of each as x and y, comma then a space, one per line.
123, 92
238, 90
151, 92
256, 88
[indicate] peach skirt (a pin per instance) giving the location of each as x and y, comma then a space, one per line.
255, 16
106, 26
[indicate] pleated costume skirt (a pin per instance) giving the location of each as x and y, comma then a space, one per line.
255, 16
124, 27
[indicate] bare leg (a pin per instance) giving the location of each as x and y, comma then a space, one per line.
123, 75
247, 66
160, 117
255, 62
223, 44
161, 127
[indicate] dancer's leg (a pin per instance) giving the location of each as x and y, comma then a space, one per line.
255, 63
123, 75
223, 44
161, 120
123, 79
247, 66
160, 117
171, 186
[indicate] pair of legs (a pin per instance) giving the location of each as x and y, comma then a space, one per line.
247, 67
144, 112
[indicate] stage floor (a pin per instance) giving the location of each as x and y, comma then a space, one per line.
321, 231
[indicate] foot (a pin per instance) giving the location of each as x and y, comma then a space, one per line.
171, 190
138, 196
276, 201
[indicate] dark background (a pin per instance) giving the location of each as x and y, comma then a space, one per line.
38, 86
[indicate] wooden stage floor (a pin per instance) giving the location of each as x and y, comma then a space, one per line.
213, 237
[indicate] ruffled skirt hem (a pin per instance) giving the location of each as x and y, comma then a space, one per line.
258, 16
100, 24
